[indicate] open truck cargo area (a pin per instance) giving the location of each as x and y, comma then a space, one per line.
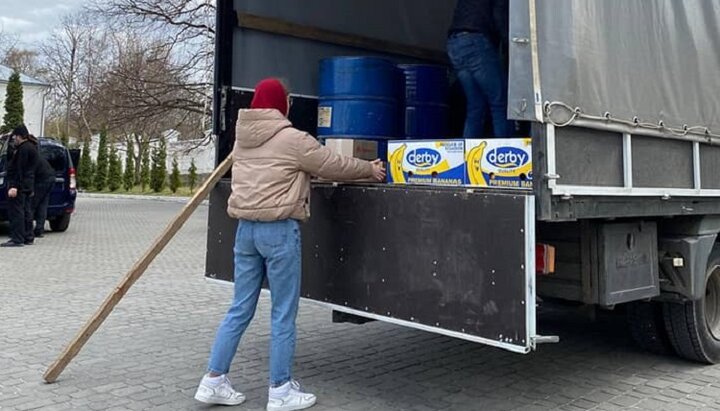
619, 102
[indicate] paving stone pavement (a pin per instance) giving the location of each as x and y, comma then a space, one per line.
152, 351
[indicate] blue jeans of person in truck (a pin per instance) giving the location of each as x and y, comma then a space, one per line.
272, 250
480, 71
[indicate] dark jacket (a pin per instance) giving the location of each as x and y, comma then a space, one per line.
22, 166
489, 17
44, 173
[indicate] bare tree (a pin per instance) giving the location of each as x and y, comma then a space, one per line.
182, 45
138, 67
74, 58
142, 94
61, 57
7, 43
23, 60
186, 19
17, 58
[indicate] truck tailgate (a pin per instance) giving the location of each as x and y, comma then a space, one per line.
450, 261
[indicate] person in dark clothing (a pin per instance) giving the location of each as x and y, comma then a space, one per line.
21, 183
478, 33
44, 181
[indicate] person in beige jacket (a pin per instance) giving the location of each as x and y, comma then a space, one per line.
273, 164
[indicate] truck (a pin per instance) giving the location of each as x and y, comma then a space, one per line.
624, 212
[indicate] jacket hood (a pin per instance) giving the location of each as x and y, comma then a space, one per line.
255, 127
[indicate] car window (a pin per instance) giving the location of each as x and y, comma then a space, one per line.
55, 155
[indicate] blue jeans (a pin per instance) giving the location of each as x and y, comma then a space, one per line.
477, 63
269, 249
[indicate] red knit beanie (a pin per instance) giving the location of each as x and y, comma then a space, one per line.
270, 93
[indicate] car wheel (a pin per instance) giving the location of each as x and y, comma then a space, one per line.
60, 224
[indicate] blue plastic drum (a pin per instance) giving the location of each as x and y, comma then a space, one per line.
426, 107
359, 98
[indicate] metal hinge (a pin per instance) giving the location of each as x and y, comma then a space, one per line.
224, 91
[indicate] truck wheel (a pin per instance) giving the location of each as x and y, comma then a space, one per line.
694, 326
647, 327
60, 224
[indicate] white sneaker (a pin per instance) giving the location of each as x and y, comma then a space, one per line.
218, 393
288, 397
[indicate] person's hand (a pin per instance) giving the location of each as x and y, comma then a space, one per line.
12, 193
378, 170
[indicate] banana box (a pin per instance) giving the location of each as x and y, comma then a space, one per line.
440, 162
500, 162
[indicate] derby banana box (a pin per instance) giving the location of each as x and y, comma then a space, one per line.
500, 162
433, 162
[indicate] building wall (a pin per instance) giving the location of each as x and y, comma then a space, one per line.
202, 151
33, 97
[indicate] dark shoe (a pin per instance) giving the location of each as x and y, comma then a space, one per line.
11, 243
29, 242
39, 235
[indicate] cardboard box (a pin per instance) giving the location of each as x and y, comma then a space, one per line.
363, 149
440, 162
500, 162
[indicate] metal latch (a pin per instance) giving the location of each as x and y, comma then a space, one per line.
545, 339
521, 40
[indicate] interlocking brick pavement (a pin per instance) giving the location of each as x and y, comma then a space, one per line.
152, 351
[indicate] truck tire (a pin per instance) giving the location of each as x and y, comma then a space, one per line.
694, 326
60, 224
647, 327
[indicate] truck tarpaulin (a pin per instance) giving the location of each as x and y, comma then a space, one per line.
653, 60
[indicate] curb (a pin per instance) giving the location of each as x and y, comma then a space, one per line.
166, 199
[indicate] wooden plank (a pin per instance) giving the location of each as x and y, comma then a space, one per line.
286, 28
137, 270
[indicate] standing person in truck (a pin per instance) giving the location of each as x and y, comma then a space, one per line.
21, 183
44, 181
273, 163
479, 31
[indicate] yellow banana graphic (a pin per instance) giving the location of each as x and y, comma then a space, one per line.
469, 164
474, 165
396, 165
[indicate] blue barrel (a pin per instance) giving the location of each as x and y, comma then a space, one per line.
426, 107
359, 98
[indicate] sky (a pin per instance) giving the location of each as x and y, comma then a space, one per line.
33, 20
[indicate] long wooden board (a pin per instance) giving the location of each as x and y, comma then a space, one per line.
137, 270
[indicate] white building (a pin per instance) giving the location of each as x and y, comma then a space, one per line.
34, 96
200, 150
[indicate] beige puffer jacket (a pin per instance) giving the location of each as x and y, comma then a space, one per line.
272, 165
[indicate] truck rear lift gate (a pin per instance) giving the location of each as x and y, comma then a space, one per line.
447, 261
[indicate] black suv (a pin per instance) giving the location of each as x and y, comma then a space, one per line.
64, 191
